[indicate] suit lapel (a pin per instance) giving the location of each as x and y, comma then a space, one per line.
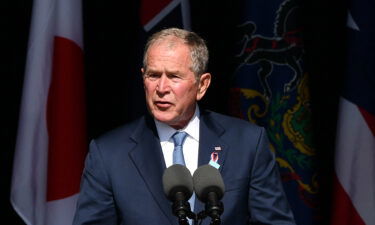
147, 156
210, 142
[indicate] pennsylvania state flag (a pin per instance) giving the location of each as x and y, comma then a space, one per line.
271, 89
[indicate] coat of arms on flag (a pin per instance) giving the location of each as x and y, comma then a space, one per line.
271, 89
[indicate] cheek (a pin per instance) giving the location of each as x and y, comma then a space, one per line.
148, 88
187, 95
182, 91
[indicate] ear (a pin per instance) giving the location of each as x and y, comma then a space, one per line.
204, 83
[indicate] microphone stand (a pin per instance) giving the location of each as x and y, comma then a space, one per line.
182, 210
214, 220
213, 209
193, 217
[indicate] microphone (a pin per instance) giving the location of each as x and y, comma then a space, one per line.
209, 188
178, 187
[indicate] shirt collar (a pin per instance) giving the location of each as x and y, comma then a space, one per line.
165, 132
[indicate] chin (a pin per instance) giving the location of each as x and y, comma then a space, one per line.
168, 119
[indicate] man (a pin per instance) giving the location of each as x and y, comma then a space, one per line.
122, 180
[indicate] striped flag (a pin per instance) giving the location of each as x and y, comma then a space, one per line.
51, 142
354, 181
159, 14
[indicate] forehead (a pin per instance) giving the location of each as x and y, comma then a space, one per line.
169, 42
168, 52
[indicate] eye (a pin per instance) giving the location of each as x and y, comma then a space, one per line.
174, 77
152, 76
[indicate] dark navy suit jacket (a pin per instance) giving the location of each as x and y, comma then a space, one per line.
122, 179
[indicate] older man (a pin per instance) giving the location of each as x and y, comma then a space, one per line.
122, 180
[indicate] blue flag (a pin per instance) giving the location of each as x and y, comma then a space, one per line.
271, 89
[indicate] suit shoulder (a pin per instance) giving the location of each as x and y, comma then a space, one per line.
121, 133
230, 121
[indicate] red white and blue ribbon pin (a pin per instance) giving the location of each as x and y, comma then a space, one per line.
215, 158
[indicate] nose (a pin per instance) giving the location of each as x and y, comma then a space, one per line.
163, 85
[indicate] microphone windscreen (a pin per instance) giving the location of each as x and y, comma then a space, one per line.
177, 178
207, 179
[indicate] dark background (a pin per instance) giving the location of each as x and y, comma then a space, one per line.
112, 71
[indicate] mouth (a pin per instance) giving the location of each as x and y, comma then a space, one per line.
162, 104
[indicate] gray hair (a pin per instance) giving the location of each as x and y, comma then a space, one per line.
197, 46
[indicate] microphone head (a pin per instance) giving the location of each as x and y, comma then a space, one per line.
207, 179
177, 178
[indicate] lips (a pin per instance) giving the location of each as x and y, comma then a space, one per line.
162, 104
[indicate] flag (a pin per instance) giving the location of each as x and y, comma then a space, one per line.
155, 15
270, 88
51, 140
354, 180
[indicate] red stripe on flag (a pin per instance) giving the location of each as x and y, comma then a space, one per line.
150, 8
344, 212
66, 121
369, 118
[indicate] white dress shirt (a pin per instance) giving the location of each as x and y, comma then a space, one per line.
190, 146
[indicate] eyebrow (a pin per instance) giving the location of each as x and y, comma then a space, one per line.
150, 70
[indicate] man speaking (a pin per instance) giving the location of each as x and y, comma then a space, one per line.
122, 179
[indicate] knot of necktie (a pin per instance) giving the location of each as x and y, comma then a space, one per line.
179, 138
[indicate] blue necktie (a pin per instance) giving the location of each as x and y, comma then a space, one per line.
178, 158
178, 154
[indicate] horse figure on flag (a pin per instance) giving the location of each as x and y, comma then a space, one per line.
284, 48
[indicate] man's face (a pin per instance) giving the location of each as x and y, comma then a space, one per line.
170, 86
